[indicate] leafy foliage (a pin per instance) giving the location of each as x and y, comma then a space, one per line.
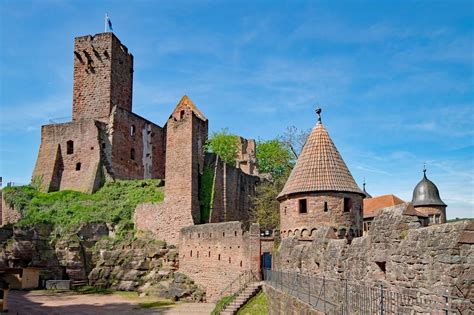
225, 145
206, 194
274, 157
113, 203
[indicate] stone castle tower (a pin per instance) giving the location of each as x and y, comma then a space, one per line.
186, 133
103, 77
105, 139
320, 192
426, 200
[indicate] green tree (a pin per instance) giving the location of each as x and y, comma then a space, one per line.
225, 145
275, 158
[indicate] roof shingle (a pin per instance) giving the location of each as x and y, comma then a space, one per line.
320, 167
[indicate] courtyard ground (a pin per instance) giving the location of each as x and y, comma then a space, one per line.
59, 303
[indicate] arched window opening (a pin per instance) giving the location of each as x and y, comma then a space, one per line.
181, 114
132, 130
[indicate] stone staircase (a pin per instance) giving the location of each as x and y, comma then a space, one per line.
243, 297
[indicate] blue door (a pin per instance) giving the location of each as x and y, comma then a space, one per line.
267, 261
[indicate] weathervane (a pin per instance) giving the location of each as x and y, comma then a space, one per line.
318, 111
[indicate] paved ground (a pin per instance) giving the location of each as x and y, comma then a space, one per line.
46, 303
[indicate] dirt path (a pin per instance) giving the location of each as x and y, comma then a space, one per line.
46, 303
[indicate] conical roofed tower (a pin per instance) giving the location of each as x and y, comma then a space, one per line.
320, 191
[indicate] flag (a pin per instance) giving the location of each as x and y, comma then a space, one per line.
108, 23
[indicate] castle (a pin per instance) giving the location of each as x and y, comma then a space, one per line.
321, 205
105, 141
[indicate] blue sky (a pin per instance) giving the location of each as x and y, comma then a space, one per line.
394, 78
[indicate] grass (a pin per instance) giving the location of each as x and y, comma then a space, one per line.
155, 304
67, 210
87, 289
206, 193
221, 303
258, 305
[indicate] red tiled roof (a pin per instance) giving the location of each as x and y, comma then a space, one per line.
372, 206
320, 167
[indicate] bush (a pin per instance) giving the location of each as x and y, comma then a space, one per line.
67, 210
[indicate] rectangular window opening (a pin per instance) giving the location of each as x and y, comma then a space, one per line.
303, 206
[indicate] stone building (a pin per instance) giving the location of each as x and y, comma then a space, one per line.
426, 200
105, 139
320, 191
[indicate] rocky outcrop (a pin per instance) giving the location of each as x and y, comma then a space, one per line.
145, 265
128, 263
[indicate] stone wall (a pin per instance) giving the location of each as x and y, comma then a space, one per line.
280, 302
69, 157
214, 254
396, 251
8, 213
103, 75
246, 156
323, 209
233, 190
137, 146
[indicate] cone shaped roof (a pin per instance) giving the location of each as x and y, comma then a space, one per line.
320, 167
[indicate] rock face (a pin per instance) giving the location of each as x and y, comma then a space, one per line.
144, 265
140, 264
396, 252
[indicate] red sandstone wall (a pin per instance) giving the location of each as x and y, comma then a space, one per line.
103, 74
57, 168
146, 140
233, 190
214, 254
298, 224
8, 214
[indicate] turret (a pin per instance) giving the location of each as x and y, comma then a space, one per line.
426, 200
320, 191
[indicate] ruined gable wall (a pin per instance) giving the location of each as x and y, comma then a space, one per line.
433, 258
214, 254
246, 156
57, 168
129, 131
233, 190
103, 74
298, 224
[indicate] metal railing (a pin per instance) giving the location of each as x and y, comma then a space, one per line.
342, 296
236, 286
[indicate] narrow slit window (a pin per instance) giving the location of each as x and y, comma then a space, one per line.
70, 147
181, 114
325, 206
303, 206
132, 154
132, 130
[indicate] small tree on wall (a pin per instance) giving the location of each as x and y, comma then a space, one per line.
225, 145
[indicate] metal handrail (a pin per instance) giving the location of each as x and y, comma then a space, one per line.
243, 279
340, 296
